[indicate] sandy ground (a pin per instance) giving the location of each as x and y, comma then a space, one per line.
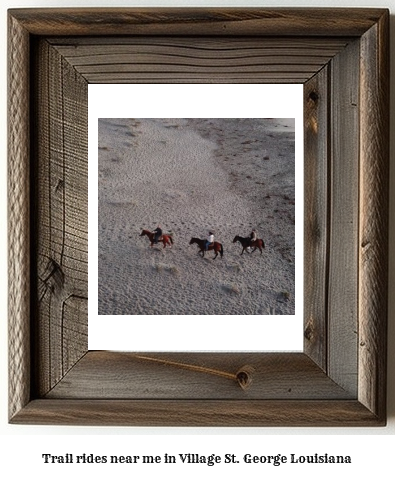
192, 176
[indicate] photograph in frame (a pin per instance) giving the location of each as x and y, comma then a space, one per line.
195, 174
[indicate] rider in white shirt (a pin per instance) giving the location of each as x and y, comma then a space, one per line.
209, 240
253, 237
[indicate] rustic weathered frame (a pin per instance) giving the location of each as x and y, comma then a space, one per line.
341, 57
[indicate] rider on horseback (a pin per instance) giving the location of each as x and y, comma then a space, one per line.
209, 241
158, 232
253, 237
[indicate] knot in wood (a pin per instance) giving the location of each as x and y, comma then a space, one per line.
54, 276
244, 376
308, 332
313, 96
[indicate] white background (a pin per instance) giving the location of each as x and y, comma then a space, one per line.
22, 446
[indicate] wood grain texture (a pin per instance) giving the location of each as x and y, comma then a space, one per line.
330, 22
18, 218
346, 108
343, 224
61, 228
194, 59
316, 214
284, 376
373, 235
202, 413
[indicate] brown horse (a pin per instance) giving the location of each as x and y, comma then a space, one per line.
165, 238
245, 242
216, 246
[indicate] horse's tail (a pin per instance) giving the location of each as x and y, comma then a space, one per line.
221, 251
171, 240
263, 243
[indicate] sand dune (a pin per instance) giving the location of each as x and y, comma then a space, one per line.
192, 176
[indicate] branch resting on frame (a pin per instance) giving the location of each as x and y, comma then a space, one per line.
243, 376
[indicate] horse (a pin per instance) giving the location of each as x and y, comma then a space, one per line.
246, 242
165, 238
216, 246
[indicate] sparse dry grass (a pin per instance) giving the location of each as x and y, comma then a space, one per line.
231, 289
160, 268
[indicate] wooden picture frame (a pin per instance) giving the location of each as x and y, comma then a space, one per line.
342, 58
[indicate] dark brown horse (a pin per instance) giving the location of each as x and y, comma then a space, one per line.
165, 238
246, 242
216, 246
